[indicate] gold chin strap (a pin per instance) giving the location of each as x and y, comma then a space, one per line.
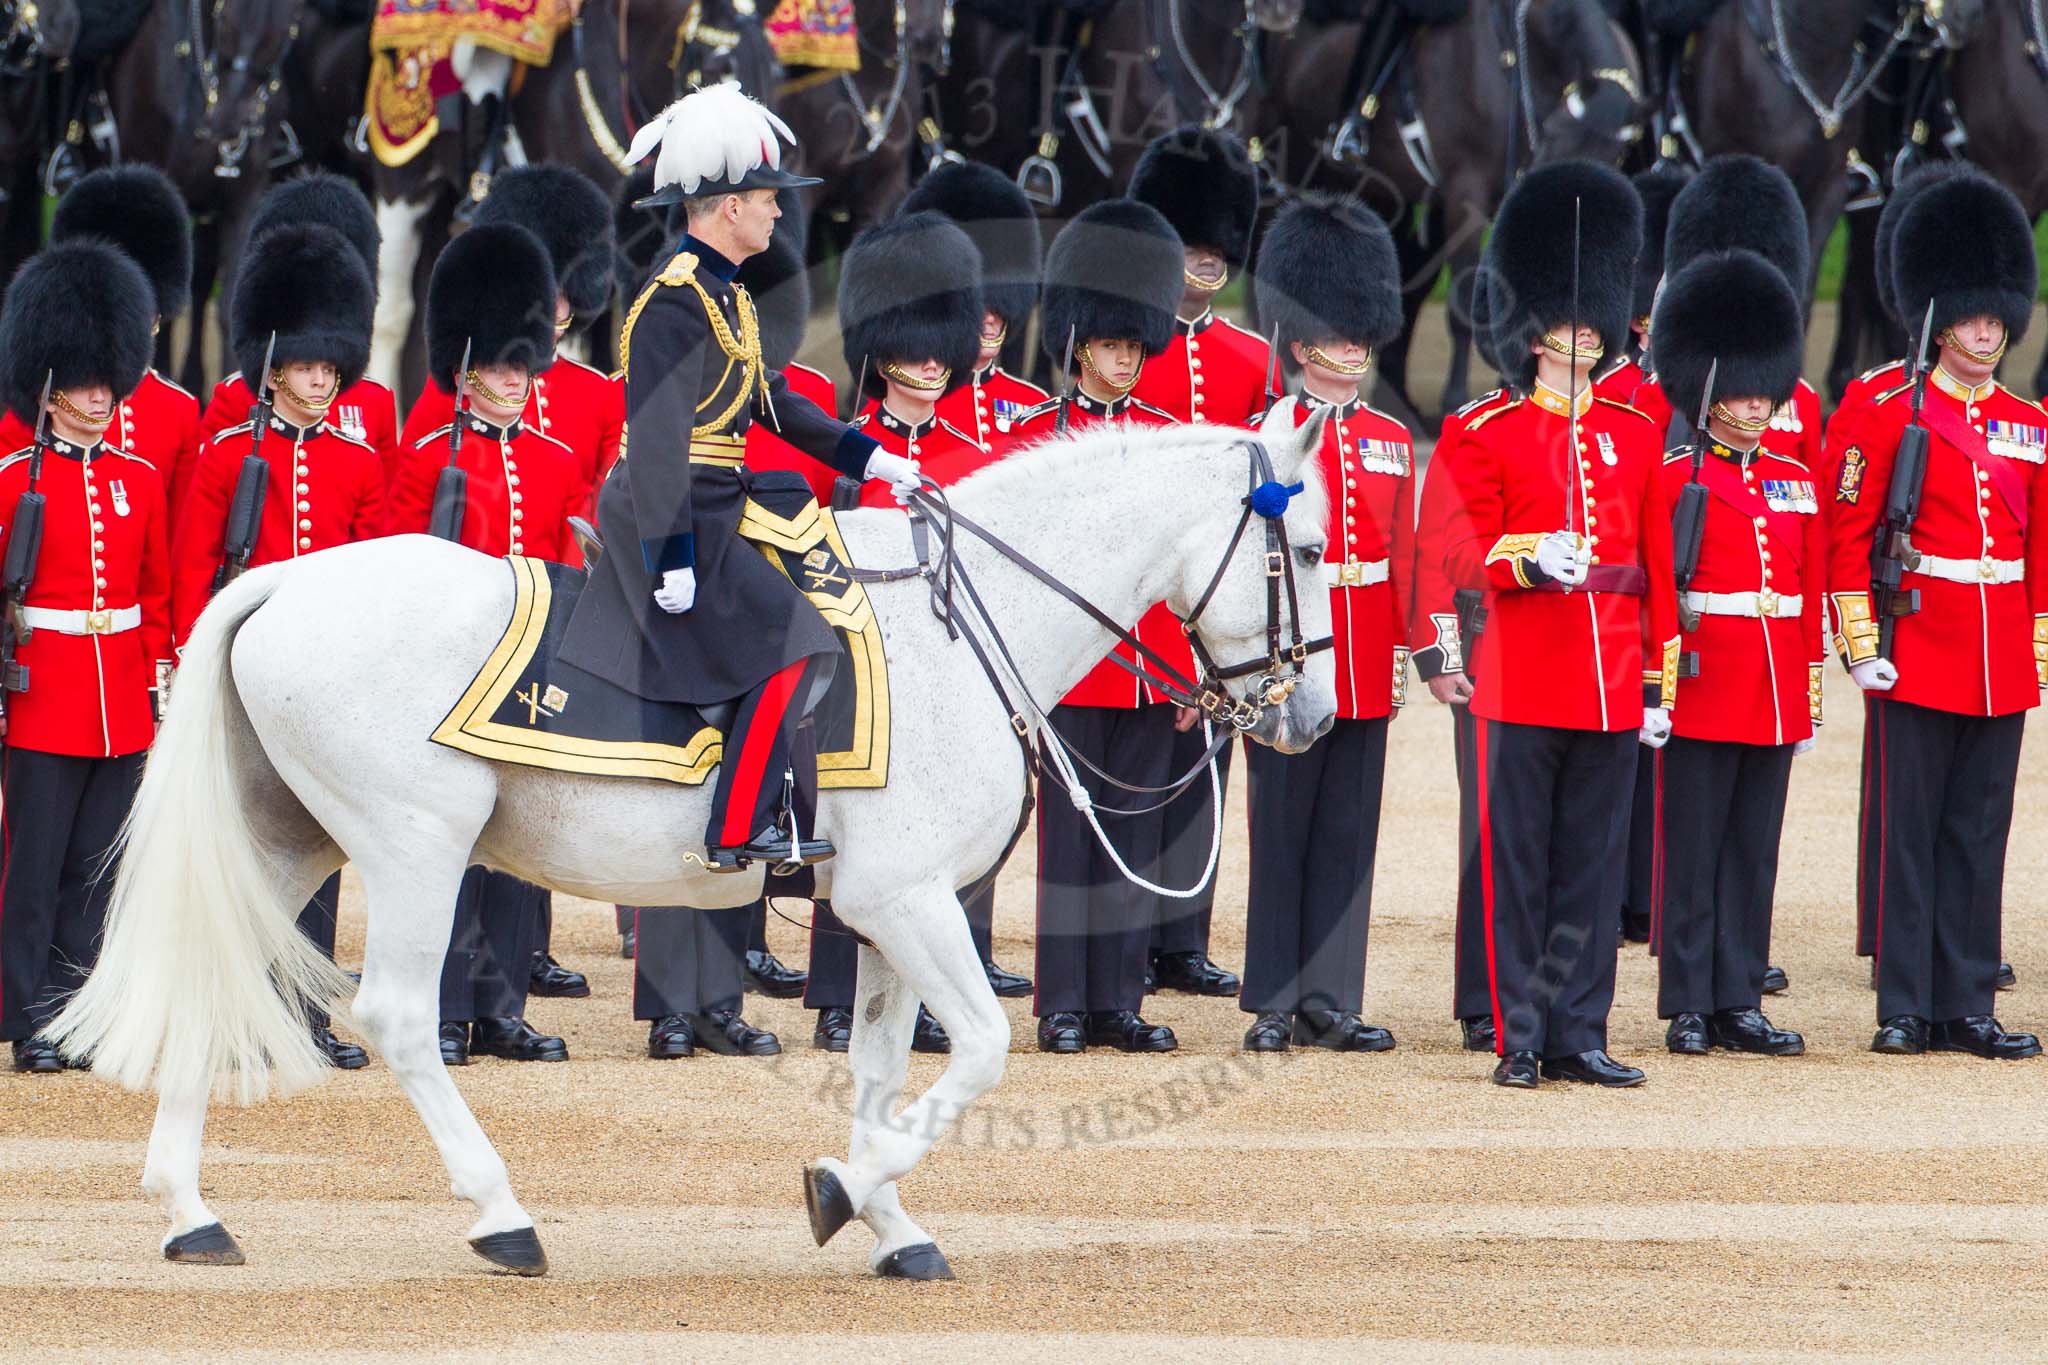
1204, 282
1316, 355
317, 406
1571, 351
1088, 364
996, 342
562, 326
1642, 324
891, 370
1948, 338
493, 396
1748, 426
78, 414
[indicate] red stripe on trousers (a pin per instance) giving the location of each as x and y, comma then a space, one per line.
753, 759
1884, 826
1479, 774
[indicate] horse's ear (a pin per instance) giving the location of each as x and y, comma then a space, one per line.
1291, 443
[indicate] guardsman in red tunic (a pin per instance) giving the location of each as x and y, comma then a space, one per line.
1751, 618
1951, 683
364, 410
1567, 532
1112, 278
1205, 185
1331, 286
79, 714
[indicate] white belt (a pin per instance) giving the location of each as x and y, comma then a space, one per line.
1985, 570
1355, 573
1745, 604
109, 622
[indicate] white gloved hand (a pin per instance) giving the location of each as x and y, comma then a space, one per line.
1874, 675
899, 471
1656, 726
1564, 556
1805, 746
678, 591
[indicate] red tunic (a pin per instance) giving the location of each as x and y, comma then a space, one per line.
1764, 541
1433, 633
943, 452
1212, 371
523, 488
1106, 684
324, 490
766, 450
365, 411
582, 408
1591, 658
1970, 649
1860, 391
159, 423
1628, 383
105, 548
989, 406
1795, 429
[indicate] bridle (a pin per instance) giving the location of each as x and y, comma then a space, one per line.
206, 78
1219, 107
877, 117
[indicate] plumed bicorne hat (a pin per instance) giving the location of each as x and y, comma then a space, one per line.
331, 200
79, 313
779, 283
1204, 182
997, 217
1657, 188
304, 283
1526, 271
139, 210
718, 140
1327, 269
1759, 339
1740, 202
493, 290
910, 290
573, 219
1114, 271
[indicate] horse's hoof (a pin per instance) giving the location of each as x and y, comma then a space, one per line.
210, 1245
826, 1199
516, 1252
921, 1262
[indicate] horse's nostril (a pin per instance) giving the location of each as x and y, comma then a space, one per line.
1328, 721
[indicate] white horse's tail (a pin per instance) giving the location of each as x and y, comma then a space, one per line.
204, 980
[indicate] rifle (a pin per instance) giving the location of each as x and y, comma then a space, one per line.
451, 489
252, 485
1059, 421
23, 550
1273, 369
1891, 550
1689, 522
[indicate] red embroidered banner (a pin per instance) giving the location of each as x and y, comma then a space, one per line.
815, 33
411, 42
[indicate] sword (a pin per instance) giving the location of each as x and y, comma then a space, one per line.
1572, 469
1059, 421
1273, 368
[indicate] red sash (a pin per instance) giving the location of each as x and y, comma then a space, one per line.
1944, 422
1725, 482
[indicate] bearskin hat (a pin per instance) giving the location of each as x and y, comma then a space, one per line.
1527, 268
779, 283
1328, 269
573, 220
1736, 308
1115, 270
78, 312
1903, 194
492, 291
909, 289
139, 210
1966, 245
998, 218
1203, 181
303, 283
326, 198
1657, 188
1741, 202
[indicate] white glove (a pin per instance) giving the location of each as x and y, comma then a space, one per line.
678, 591
1874, 675
1563, 555
1656, 727
899, 471
1805, 746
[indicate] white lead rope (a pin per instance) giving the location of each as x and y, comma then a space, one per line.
1078, 794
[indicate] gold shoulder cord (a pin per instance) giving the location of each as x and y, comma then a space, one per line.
745, 348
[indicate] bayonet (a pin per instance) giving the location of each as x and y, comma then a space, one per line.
451, 488
1059, 421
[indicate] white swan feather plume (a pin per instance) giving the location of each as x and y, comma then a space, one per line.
711, 136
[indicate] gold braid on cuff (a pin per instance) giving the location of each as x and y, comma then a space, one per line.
1855, 628
1813, 674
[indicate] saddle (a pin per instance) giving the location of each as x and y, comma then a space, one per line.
526, 706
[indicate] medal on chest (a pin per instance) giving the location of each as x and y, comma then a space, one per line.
2017, 441
1786, 418
1007, 413
1383, 457
351, 421
1607, 454
120, 493
1790, 495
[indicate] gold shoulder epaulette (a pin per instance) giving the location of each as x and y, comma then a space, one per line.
1482, 400
1890, 394
681, 270
1875, 370
1483, 418
1625, 407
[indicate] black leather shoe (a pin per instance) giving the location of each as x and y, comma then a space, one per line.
1516, 1071
454, 1043
724, 1032
834, 1032
1902, 1035
36, 1056
1006, 984
1193, 973
1749, 1031
670, 1037
629, 946
767, 976
1062, 1032
1268, 1033
1982, 1036
1775, 981
1635, 928
1594, 1068
2005, 980
1478, 1033
1340, 1031
771, 846
1687, 1035
341, 1056
516, 1041
1126, 1032
551, 979
928, 1035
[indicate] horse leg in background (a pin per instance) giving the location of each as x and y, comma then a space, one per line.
924, 934
1464, 264
398, 252
1857, 316
884, 1016
1418, 276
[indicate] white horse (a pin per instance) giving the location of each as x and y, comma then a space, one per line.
299, 740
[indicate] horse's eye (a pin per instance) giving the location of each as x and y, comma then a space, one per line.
1308, 556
